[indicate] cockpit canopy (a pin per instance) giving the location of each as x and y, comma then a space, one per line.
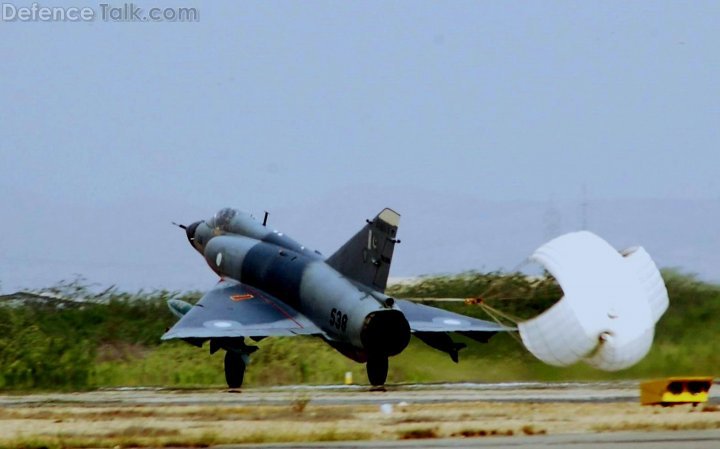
234, 221
222, 218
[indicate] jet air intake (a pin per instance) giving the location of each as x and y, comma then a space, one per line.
385, 332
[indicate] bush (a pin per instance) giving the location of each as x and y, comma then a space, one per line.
113, 338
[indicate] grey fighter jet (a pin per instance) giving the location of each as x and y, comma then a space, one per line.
272, 285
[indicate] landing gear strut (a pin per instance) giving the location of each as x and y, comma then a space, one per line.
377, 369
234, 369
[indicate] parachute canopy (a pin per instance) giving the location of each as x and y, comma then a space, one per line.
611, 303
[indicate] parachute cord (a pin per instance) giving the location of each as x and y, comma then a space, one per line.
491, 312
494, 313
487, 308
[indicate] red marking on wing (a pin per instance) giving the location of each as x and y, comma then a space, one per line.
242, 297
280, 309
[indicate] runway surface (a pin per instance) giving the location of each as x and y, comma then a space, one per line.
574, 415
519, 392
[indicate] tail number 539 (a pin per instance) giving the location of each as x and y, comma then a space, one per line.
338, 319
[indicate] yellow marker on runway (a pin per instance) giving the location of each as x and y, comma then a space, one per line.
675, 390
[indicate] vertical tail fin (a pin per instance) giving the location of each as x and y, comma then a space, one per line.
366, 257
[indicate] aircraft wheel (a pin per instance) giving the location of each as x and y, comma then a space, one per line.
234, 369
377, 369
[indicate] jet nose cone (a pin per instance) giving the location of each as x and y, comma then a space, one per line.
190, 232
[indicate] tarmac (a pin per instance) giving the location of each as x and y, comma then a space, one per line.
437, 395
516, 392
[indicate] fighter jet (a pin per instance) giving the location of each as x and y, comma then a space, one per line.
270, 285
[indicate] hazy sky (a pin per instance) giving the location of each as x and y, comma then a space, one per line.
108, 131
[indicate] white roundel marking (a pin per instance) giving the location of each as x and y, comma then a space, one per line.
222, 324
452, 321
218, 259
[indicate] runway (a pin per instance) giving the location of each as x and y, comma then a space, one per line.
515, 392
462, 415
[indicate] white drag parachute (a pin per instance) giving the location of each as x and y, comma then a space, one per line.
611, 303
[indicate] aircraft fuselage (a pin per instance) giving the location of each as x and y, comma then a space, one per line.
237, 247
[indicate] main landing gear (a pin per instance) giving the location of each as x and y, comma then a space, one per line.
377, 370
234, 369
237, 357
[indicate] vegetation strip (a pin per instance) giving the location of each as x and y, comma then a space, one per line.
69, 338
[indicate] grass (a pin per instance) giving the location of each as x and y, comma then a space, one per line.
418, 433
532, 430
433, 432
142, 437
299, 403
141, 431
649, 426
114, 341
503, 359
297, 411
70, 441
474, 433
